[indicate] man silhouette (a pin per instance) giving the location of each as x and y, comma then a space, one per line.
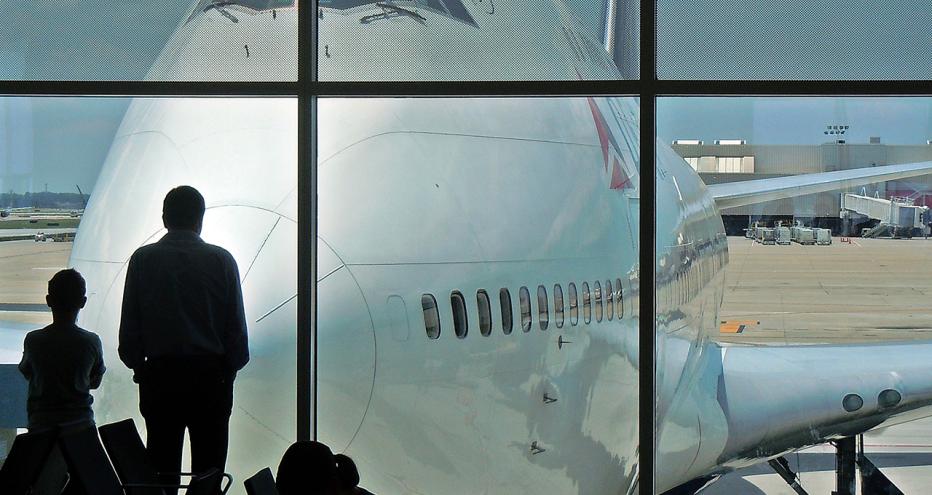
183, 333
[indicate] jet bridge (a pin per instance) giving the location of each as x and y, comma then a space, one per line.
897, 216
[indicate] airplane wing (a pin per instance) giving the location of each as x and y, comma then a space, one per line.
731, 194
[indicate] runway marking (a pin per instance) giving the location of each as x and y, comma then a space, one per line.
736, 326
48, 268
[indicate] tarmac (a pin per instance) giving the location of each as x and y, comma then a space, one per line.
25, 268
865, 290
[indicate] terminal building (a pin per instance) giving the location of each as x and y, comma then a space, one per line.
736, 160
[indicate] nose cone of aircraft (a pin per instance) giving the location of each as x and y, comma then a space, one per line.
345, 352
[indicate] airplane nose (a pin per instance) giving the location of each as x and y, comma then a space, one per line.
345, 352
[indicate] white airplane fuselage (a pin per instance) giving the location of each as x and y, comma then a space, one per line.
417, 196
432, 197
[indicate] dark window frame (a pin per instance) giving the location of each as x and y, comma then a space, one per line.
307, 90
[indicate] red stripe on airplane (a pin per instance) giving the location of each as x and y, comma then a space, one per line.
602, 129
620, 180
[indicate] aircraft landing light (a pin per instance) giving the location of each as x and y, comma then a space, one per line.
736, 326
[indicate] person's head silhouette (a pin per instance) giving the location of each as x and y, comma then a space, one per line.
347, 474
183, 209
307, 468
66, 294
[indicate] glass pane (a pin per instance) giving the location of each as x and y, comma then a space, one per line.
434, 195
83, 181
799, 287
619, 299
452, 40
460, 319
525, 301
485, 313
574, 305
793, 39
597, 292
558, 305
543, 313
504, 299
431, 316
609, 301
167, 40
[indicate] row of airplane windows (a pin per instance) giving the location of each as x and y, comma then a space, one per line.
592, 302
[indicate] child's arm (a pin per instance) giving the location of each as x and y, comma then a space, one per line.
97, 372
25, 364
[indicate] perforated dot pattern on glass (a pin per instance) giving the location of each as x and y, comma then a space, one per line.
793, 39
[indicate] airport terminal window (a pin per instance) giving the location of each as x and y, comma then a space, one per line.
543, 313
524, 297
460, 319
587, 303
574, 305
558, 305
485, 313
619, 299
431, 316
609, 301
504, 299
597, 292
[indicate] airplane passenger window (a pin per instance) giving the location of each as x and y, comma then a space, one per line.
485, 313
619, 300
609, 301
460, 320
543, 312
524, 297
431, 316
597, 290
587, 304
574, 305
504, 299
558, 305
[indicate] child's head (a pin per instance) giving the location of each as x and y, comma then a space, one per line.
306, 468
347, 474
66, 291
